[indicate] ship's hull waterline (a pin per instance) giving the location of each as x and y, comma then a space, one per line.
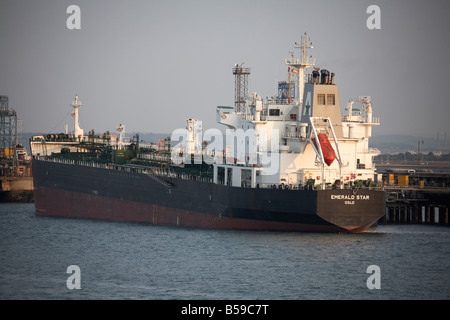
75, 191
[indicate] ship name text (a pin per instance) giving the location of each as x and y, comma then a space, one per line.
349, 199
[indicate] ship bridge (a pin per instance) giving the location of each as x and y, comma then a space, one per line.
296, 119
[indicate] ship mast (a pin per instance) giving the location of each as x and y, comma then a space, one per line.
121, 131
301, 63
76, 105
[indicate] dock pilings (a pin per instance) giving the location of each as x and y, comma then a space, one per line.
406, 206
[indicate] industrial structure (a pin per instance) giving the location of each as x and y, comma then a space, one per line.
16, 182
240, 87
8, 133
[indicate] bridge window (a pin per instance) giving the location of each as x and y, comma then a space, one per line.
331, 100
321, 99
274, 112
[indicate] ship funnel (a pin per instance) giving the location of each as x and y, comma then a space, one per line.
332, 77
315, 75
324, 76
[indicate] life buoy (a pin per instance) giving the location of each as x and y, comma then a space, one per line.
224, 116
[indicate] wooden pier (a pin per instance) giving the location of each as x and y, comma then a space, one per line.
414, 205
416, 193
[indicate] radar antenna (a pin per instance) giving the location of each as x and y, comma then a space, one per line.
301, 63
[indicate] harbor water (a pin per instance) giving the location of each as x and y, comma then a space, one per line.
140, 261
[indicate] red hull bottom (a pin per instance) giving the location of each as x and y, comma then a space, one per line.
61, 203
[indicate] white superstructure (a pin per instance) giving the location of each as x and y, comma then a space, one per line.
79, 133
46, 145
292, 126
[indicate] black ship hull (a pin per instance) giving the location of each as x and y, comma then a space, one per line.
75, 191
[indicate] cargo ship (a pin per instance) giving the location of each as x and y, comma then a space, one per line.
292, 162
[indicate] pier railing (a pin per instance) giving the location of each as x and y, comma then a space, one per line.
153, 171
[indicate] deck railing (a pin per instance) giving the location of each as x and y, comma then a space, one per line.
168, 173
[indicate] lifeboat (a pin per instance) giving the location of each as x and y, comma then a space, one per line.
327, 149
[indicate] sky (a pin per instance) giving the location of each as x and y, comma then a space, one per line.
150, 65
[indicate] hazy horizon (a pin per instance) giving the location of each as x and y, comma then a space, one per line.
150, 64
